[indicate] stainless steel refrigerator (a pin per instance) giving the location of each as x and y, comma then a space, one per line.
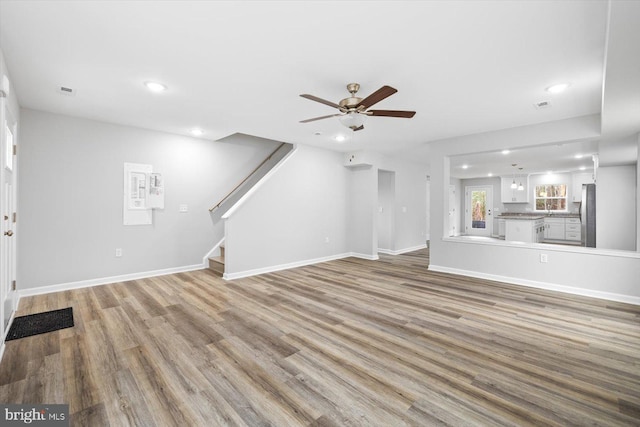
588, 215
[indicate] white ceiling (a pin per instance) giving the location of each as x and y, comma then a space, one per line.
465, 67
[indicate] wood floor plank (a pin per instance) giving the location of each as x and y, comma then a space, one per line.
350, 342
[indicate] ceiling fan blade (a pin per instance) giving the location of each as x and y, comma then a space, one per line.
392, 113
359, 128
320, 100
319, 118
377, 96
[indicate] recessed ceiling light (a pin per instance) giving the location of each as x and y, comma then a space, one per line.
549, 172
578, 156
340, 138
489, 174
197, 132
583, 168
560, 87
465, 166
155, 86
505, 152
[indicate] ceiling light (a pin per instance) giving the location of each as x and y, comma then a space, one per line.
513, 184
505, 152
578, 156
197, 132
583, 168
155, 86
489, 174
352, 120
549, 172
340, 138
561, 87
520, 187
465, 166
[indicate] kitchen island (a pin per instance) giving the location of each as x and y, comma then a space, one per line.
526, 229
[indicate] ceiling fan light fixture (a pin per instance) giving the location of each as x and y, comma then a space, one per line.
352, 120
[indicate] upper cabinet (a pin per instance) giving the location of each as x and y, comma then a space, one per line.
515, 195
578, 179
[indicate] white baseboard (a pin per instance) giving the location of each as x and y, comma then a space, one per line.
271, 269
106, 280
401, 251
540, 285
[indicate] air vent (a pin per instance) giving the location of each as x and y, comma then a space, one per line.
63, 90
542, 104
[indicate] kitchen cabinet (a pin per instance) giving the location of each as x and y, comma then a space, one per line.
554, 229
513, 195
572, 229
524, 230
578, 179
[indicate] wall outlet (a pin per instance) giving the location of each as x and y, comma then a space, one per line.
183, 209
544, 258
118, 252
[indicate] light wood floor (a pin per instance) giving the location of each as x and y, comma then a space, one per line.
346, 343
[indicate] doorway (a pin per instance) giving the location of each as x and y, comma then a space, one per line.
386, 211
478, 207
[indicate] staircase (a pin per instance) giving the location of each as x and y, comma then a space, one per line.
216, 263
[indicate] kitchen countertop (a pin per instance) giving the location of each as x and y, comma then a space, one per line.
521, 217
536, 215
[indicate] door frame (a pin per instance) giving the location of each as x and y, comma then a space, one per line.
8, 216
469, 230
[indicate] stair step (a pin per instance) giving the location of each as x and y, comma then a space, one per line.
217, 264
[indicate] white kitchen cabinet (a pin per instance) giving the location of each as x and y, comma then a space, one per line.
578, 179
572, 229
524, 230
513, 195
554, 229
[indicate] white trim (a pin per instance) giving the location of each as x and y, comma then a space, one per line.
401, 251
481, 240
260, 183
295, 264
539, 285
107, 280
205, 260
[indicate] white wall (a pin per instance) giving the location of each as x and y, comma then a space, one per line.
297, 215
611, 275
616, 194
70, 198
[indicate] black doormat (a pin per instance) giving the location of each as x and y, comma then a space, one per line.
40, 323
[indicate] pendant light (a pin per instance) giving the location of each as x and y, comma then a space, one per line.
513, 184
520, 187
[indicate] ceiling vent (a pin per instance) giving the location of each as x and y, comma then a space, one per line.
63, 90
542, 104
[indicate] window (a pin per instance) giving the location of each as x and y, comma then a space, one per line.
551, 197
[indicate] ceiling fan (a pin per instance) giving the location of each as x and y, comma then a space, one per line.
353, 109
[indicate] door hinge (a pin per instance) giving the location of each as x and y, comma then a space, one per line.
15, 149
13, 285
15, 216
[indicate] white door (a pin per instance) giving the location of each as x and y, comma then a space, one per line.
478, 204
8, 219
